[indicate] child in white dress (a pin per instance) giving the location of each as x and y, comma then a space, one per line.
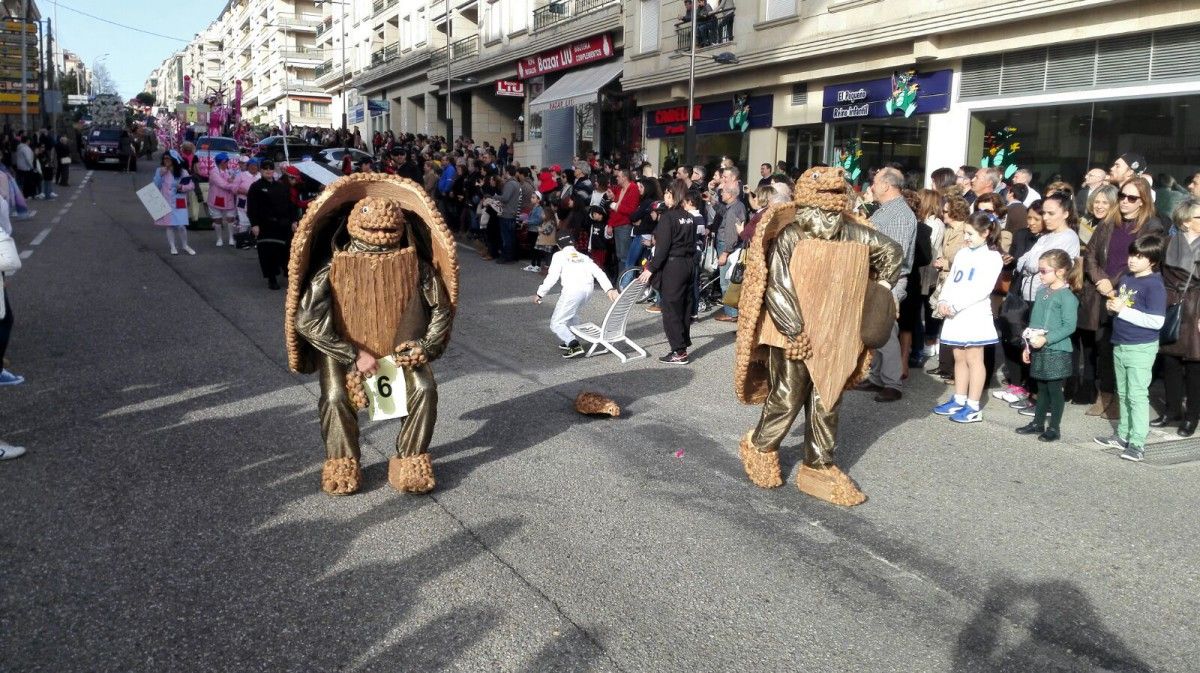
966, 307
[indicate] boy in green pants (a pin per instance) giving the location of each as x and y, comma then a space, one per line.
1139, 307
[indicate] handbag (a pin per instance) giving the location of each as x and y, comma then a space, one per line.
708, 259
1169, 333
733, 295
65, 161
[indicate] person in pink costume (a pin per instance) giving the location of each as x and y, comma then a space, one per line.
222, 207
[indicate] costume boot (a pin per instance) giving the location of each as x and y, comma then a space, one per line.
411, 474
829, 484
1102, 401
1112, 411
761, 467
340, 476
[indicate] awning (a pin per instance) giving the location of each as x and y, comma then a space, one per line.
576, 87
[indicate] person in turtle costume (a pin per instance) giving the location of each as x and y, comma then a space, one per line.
374, 273
812, 269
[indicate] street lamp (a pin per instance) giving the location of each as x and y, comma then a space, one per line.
287, 99
342, 30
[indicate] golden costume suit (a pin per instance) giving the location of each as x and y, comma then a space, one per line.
790, 385
425, 319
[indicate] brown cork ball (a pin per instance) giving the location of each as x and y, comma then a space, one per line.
594, 404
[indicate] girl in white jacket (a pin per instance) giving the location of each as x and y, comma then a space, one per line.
966, 307
577, 272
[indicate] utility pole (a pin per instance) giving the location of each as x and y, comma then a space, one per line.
50, 78
689, 137
25, 70
449, 83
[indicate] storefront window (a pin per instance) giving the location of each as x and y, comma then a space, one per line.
585, 128
1064, 141
805, 147
710, 148
888, 141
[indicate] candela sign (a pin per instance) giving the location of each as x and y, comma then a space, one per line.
585, 51
507, 87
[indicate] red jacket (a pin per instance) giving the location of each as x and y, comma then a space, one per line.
625, 205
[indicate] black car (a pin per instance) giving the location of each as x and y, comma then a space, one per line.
272, 148
101, 145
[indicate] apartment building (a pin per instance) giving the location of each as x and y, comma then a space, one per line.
542, 74
923, 84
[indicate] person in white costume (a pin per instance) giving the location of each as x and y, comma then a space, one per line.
966, 306
578, 274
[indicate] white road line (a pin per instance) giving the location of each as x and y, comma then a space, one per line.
25, 254
56, 219
37, 240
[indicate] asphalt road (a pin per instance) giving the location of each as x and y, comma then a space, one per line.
168, 516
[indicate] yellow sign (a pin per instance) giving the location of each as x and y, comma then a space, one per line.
16, 109
17, 26
191, 115
16, 98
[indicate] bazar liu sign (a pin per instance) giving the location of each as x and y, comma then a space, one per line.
508, 87
577, 53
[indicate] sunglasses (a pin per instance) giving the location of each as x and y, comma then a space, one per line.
1130, 198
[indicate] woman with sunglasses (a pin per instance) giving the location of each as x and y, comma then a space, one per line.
1106, 261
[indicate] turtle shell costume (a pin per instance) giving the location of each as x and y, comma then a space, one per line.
815, 300
374, 271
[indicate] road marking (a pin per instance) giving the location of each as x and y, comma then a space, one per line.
56, 219
37, 240
25, 254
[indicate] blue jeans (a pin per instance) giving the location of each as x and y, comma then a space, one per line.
623, 243
724, 271
508, 238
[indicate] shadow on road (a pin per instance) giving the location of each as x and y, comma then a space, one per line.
1053, 626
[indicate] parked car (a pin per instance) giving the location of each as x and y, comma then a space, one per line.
208, 147
101, 147
333, 157
272, 148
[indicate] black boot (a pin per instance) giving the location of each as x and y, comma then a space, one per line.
272, 284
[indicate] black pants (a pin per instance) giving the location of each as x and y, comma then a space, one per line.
1098, 352
30, 182
1181, 378
675, 284
272, 257
6, 324
64, 175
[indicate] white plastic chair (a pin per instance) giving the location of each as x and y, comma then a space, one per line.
612, 332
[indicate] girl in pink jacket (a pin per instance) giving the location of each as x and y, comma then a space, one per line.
221, 205
241, 188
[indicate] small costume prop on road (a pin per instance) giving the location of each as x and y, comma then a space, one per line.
811, 273
595, 404
374, 271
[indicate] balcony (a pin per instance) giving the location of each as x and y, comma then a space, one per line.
559, 11
294, 54
384, 55
461, 50
310, 119
380, 5
328, 73
714, 30
303, 23
324, 26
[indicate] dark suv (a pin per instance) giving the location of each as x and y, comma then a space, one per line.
272, 148
102, 147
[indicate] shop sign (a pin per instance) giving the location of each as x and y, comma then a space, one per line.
901, 95
578, 53
754, 112
508, 87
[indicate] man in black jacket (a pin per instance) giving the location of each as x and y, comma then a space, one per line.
273, 218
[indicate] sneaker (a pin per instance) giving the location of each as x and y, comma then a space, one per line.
1134, 453
1111, 441
653, 308
38, 197
967, 415
174, 252
1026, 411
675, 358
573, 352
568, 346
188, 250
9, 452
220, 242
1021, 404
948, 408
8, 378
1011, 394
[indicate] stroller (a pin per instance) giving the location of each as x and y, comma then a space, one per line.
708, 292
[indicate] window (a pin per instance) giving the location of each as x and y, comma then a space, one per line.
420, 30
406, 34
778, 9
493, 22
518, 15
648, 25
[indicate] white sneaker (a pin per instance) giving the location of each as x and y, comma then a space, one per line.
8, 452
188, 250
54, 195
38, 197
220, 242
174, 251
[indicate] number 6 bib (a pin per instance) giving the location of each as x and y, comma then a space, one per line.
387, 396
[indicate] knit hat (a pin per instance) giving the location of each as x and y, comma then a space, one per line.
1135, 161
221, 158
292, 171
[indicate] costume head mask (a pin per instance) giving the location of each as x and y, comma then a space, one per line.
377, 221
820, 200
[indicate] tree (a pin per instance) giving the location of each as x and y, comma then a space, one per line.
68, 83
146, 98
102, 81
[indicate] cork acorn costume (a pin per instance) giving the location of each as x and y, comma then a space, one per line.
814, 302
374, 269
